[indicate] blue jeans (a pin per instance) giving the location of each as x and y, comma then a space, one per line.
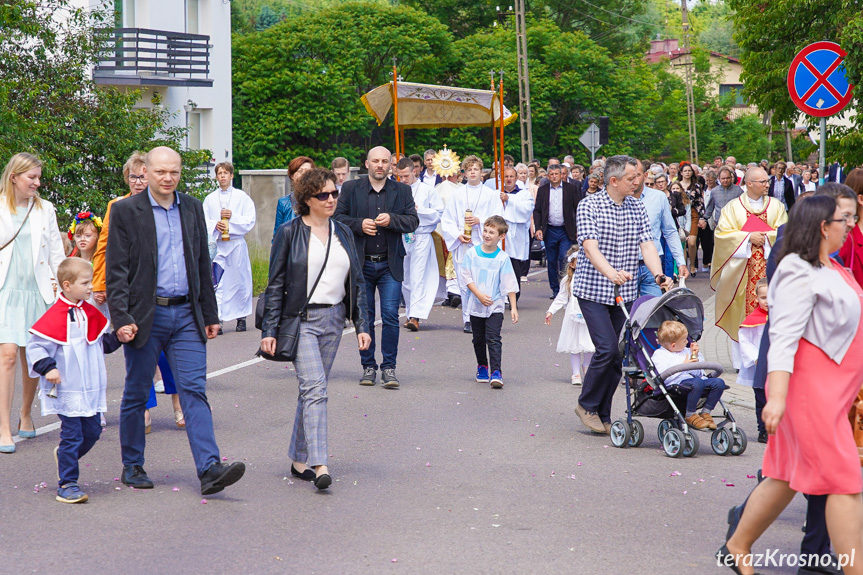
557, 243
667, 258
378, 277
647, 283
604, 323
710, 386
167, 379
78, 435
174, 332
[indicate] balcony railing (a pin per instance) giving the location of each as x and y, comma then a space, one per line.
137, 56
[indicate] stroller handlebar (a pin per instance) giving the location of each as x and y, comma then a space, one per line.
619, 301
712, 369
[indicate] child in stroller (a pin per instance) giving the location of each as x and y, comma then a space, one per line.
648, 395
673, 337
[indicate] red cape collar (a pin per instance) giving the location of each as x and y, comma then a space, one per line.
54, 324
756, 318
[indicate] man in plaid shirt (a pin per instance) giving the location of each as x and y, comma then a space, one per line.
612, 226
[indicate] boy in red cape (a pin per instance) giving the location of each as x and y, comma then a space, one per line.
66, 351
750, 334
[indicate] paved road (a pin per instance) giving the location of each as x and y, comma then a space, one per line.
442, 476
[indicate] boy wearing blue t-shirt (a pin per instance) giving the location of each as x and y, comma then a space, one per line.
487, 272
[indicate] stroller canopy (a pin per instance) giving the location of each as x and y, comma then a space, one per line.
680, 304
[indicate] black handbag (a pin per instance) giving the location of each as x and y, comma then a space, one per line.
288, 337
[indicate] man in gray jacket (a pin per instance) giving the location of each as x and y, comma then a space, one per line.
726, 191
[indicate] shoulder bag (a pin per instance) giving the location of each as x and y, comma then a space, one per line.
289, 329
30, 209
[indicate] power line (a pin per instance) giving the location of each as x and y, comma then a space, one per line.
622, 16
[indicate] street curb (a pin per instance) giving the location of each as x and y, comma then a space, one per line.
718, 349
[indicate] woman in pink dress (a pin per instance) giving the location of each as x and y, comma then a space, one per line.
815, 365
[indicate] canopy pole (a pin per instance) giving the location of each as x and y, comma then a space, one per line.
396, 105
500, 165
494, 137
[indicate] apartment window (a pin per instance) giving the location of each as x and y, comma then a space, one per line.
738, 92
192, 16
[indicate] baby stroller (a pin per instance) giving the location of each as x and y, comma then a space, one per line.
646, 392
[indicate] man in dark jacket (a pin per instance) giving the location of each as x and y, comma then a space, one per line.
379, 211
160, 286
554, 218
781, 187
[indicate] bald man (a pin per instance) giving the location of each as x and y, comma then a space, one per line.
160, 286
379, 211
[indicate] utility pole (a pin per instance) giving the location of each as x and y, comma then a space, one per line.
690, 97
523, 77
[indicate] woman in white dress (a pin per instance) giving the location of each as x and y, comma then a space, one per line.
31, 251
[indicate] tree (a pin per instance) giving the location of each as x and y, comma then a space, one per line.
768, 44
50, 107
297, 85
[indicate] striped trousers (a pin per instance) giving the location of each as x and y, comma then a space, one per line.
320, 336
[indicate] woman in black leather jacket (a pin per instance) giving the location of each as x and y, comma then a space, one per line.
314, 250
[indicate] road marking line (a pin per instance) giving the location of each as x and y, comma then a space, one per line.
53, 426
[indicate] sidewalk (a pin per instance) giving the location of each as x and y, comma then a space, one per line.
717, 347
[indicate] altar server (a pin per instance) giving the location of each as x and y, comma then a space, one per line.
421, 278
232, 211
517, 211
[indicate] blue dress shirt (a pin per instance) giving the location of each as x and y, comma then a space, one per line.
662, 222
171, 280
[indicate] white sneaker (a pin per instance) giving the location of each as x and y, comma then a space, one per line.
576, 379
159, 386
102, 421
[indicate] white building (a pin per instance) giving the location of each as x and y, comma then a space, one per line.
178, 53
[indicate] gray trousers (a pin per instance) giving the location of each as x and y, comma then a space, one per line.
319, 340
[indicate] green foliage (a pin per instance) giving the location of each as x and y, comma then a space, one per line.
50, 107
768, 44
297, 85
713, 26
260, 258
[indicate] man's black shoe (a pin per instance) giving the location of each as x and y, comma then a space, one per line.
219, 476
241, 324
762, 437
454, 301
135, 476
467, 327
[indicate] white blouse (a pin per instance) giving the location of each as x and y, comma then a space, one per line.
331, 288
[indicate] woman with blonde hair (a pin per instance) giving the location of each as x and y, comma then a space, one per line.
30, 251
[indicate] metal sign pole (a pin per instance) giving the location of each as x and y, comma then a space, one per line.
592, 146
822, 159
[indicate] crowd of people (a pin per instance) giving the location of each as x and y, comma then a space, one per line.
784, 255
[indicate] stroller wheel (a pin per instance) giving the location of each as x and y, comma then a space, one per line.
691, 445
721, 441
739, 442
637, 436
620, 433
663, 428
672, 443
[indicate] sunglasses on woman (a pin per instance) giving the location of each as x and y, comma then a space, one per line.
324, 196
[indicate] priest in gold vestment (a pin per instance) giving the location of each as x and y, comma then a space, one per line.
744, 236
